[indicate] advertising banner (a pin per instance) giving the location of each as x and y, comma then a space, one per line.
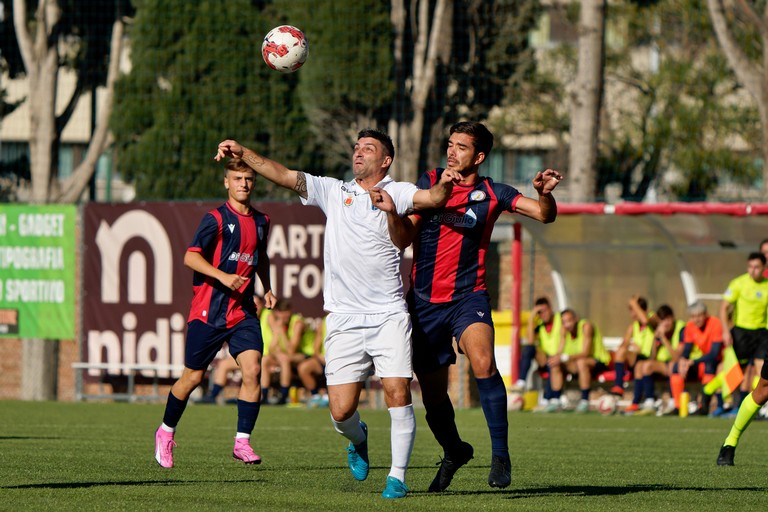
37, 271
137, 291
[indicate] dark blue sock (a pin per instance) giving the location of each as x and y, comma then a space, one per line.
215, 390
737, 397
493, 399
619, 369
638, 392
247, 412
264, 394
585, 394
174, 408
527, 354
719, 398
648, 387
442, 422
555, 394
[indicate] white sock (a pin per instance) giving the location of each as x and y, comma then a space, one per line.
167, 428
350, 428
403, 433
241, 435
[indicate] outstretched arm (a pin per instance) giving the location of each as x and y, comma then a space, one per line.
273, 171
545, 209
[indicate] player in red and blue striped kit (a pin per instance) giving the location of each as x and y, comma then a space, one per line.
449, 299
228, 250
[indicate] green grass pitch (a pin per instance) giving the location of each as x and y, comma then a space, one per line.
99, 456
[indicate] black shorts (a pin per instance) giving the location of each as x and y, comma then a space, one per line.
750, 344
436, 325
204, 341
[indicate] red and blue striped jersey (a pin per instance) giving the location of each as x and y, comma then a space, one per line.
450, 249
231, 242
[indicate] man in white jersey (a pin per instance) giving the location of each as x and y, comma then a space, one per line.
368, 326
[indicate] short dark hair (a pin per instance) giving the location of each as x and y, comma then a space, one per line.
643, 303
665, 311
380, 136
542, 301
757, 256
482, 136
283, 305
569, 311
237, 164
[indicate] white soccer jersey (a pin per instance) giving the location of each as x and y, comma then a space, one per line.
362, 265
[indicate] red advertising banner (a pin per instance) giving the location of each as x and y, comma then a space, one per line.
137, 291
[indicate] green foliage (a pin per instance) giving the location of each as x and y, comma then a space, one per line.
78, 456
346, 81
198, 78
686, 113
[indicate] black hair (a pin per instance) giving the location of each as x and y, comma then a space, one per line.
482, 136
380, 136
664, 312
757, 256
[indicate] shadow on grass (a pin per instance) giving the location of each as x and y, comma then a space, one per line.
587, 490
127, 483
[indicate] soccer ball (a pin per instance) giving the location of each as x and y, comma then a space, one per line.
285, 48
515, 402
606, 405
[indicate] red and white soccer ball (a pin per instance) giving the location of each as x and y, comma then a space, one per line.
606, 405
515, 401
285, 48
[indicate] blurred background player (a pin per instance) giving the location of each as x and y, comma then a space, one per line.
311, 370
292, 341
701, 353
668, 332
222, 309
744, 307
581, 352
637, 342
544, 327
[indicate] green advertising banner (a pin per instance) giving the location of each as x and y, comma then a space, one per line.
37, 271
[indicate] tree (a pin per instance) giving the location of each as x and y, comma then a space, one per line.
740, 29
347, 82
680, 111
452, 60
196, 79
52, 35
586, 100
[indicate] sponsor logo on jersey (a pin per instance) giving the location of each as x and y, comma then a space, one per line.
465, 220
349, 200
241, 256
231, 228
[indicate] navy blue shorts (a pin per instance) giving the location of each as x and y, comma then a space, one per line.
204, 341
436, 325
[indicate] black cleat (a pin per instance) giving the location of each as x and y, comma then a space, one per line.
501, 472
725, 458
450, 465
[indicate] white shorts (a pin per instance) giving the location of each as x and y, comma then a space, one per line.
357, 346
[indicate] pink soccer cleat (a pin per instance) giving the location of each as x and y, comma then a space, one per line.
164, 446
244, 453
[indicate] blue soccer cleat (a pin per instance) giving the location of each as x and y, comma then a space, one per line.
395, 488
357, 456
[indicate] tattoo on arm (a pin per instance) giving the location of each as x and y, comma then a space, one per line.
301, 184
253, 160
